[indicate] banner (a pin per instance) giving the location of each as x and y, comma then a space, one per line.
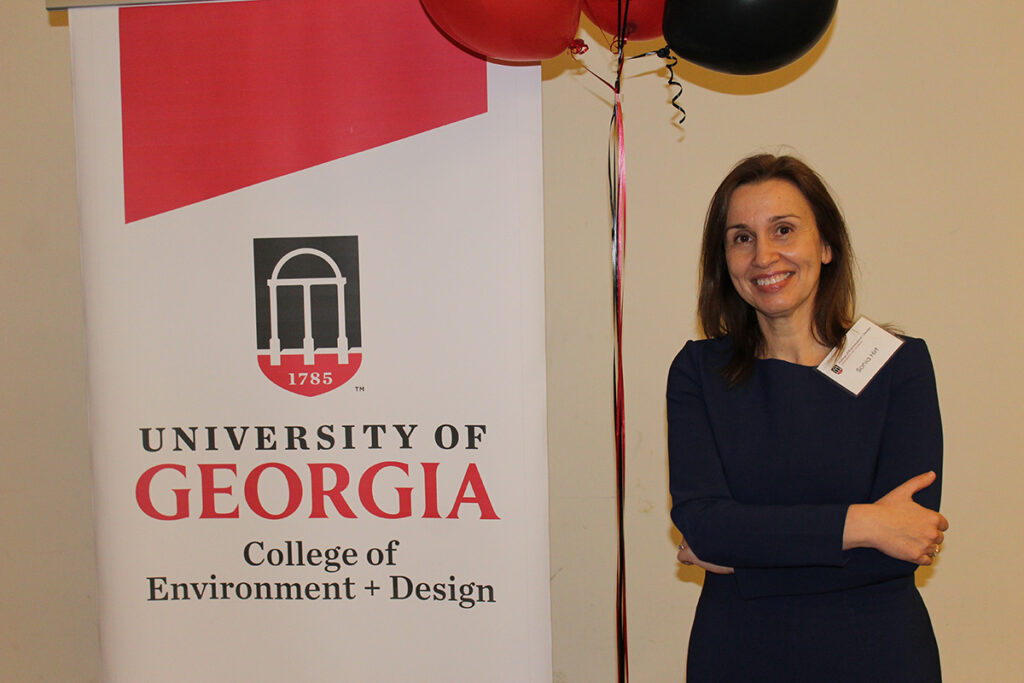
313, 258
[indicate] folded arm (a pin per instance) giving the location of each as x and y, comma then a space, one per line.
813, 548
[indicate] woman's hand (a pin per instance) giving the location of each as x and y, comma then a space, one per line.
896, 525
688, 557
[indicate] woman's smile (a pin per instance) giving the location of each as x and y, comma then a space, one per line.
769, 282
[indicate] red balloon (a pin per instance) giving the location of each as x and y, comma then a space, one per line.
643, 19
510, 30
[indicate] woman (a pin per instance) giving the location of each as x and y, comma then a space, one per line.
809, 507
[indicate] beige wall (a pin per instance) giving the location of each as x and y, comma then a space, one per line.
47, 576
911, 110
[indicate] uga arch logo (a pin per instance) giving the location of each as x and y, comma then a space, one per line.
308, 337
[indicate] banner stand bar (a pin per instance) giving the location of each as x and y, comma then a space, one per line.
70, 4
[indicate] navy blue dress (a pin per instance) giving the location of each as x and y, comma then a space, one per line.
761, 475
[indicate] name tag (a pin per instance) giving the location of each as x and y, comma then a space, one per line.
865, 351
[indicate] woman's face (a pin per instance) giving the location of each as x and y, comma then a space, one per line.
774, 251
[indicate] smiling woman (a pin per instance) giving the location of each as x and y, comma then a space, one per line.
808, 506
774, 254
764, 207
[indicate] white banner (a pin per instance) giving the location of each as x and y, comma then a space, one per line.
314, 299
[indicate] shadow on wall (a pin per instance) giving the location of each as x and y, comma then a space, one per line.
715, 81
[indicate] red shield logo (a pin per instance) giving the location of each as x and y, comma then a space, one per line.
308, 336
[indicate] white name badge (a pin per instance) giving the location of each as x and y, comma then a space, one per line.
865, 351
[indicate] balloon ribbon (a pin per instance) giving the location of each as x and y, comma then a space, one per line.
670, 62
617, 188
617, 201
617, 170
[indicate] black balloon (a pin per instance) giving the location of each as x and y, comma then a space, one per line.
745, 36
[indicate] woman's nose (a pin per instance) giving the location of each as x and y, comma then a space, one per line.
764, 253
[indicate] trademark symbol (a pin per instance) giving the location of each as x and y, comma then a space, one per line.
359, 388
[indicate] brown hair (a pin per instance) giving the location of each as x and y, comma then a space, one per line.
720, 309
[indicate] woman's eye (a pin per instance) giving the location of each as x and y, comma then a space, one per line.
741, 238
785, 229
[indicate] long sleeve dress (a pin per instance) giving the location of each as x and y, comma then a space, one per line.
761, 476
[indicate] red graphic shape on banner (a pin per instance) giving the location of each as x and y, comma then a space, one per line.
310, 380
216, 97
